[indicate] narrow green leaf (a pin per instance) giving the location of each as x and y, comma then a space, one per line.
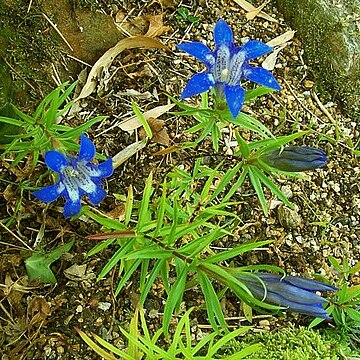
225, 339
225, 180
229, 254
107, 222
142, 119
114, 260
270, 185
129, 205
144, 214
259, 91
206, 188
11, 121
127, 276
255, 181
174, 298
237, 184
244, 148
213, 307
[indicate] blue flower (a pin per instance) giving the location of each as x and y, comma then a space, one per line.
77, 177
294, 293
295, 158
226, 66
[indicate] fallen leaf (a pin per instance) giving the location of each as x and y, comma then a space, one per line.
118, 212
270, 61
160, 135
134, 93
281, 39
249, 7
156, 25
253, 13
134, 123
108, 57
129, 151
38, 310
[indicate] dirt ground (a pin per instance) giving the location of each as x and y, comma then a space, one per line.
37, 321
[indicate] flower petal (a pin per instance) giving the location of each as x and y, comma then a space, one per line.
71, 208
87, 149
310, 285
223, 33
254, 49
260, 76
97, 196
55, 160
235, 96
49, 193
106, 168
198, 84
200, 51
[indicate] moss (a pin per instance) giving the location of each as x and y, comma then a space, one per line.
27, 49
332, 44
297, 344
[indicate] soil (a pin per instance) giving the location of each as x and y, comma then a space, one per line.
37, 321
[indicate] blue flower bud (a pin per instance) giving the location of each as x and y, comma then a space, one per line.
295, 158
295, 293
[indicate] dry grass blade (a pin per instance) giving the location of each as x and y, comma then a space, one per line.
129, 151
105, 60
134, 123
249, 7
254, 13
281, 39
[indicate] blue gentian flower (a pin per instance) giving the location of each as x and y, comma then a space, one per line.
295, 158
77, 177
226, 66
294, 293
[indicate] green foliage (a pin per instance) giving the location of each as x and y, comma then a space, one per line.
184, 14
38, 265
297, 344
142, 345
345, 305
169, 238
41, 132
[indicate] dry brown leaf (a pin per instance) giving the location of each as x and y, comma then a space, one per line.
160, 135
134, 123
38, 310
118, 212
254, 13
270, 61
129, 151
249, 7
156, 25
281, 39
105, 60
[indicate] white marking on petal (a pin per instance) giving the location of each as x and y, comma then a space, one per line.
236, 65
85, 183
90, 171
210, 59
222, 61
70, 183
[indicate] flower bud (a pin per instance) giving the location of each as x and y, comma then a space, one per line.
295, 158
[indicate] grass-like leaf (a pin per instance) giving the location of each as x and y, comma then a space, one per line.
255, 181
213, 307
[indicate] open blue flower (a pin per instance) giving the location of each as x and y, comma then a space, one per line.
294, 293
295, 158
77, 177
226, 66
